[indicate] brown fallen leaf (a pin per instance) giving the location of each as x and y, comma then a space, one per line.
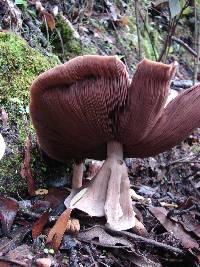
7, 244
8, 211
175, 228
188, 203
49, 19
5, 264
123, 21
21, 255
57, 231
97, 235
140, 260
39, 224
191, 223
186, 215
25, 169
139, 228
56, 196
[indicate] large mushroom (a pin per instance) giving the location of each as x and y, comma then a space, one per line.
88, 108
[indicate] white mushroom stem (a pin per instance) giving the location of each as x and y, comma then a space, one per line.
77, 181
77, 178
108, 192
2, 146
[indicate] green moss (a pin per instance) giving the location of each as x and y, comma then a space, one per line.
64, 43
10, 179
90, 49
19, 66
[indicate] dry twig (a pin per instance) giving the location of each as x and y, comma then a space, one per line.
147, 241
138, 30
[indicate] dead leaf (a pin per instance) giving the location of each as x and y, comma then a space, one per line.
187, 217
139, 228
140, 260
25, 169
56, 196
190, 223
123, 21
17, 237
8, 211
40, 206
21, 255
174, 228
57, 231
97, 235
5, 264
49, 19
188, 203
41, 192
39, 224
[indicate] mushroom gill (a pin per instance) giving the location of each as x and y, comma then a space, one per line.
87, 108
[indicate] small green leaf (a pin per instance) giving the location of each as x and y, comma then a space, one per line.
187, 10
171, 50
46, 251
51, 251
20, 2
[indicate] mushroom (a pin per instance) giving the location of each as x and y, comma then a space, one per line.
2, 146
88, 108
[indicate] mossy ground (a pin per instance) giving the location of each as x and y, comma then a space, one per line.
63, 41
19, 66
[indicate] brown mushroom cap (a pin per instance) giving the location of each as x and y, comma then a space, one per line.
148, 127
178, 119
74, 106
78, 107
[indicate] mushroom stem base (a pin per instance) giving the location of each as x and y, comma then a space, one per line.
77, 176
108, 192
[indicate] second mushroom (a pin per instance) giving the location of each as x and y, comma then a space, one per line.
89, 108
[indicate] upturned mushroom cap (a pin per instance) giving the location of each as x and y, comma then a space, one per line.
74, 106
148, 127
78, 107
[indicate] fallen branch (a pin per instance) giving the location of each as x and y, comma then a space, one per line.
186, 46
138, 28
185, 160
148, 241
